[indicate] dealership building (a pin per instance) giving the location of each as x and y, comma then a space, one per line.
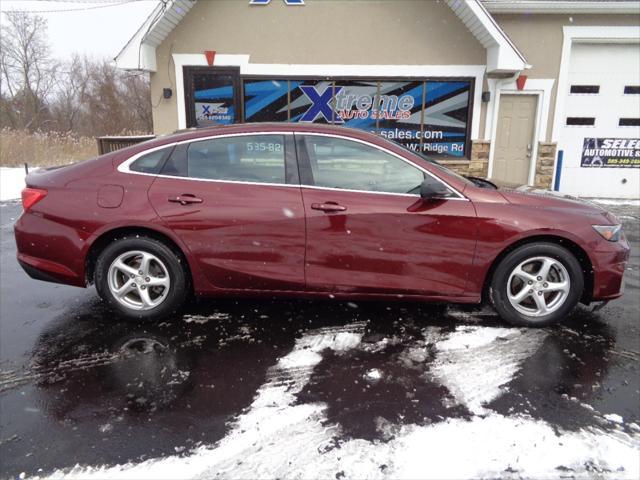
525, 92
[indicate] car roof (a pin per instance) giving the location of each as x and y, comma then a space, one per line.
194, 133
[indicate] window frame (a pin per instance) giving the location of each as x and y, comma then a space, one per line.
289, 172
629, 122
161, 163
306, 172
373, 78
188, 73
296, 162
180, 149
578, 86
576, 122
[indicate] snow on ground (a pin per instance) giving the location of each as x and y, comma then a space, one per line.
616, 201
11, 182
277, 437
475, 362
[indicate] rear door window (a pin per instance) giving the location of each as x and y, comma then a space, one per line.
247, 158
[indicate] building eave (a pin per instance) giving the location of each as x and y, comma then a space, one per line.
563, 6
503, 56
139, 53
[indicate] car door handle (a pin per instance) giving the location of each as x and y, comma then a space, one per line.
328, 207
185, 199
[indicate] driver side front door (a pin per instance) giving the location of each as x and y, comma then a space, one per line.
369, 231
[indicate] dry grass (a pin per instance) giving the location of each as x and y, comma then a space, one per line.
41, 149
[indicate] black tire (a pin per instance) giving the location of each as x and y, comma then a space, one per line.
177, 291
498, 292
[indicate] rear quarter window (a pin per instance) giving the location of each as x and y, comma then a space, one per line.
151, 162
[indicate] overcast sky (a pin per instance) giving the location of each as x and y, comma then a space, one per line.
99, 28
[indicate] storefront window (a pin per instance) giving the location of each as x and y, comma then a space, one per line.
431, 116
400, 112
445, 118
266, 100
213, 99
311, 101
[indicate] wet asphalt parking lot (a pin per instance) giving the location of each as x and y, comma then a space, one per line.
259, 388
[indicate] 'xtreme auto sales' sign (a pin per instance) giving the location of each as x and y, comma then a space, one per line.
611, 152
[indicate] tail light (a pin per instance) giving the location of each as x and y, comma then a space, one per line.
31, 196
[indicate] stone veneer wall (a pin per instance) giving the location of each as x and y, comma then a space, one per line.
477, 166
544, 165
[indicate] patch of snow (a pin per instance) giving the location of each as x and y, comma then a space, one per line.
616, 201
297, 445
612, 417
202, 319
374, 374
11, 182
277, 437
474, 363
106, 428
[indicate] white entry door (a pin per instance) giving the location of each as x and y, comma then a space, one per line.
514, 139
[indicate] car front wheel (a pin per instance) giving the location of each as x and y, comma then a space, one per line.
537, 285
141, 278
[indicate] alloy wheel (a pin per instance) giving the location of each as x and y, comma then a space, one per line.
138, 280
538, 286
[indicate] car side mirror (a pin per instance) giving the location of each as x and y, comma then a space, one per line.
432, 189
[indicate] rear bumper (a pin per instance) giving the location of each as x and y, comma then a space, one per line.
40, 269
49, 251
608, 270
37, 274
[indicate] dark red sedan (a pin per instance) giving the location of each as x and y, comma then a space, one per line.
309, 210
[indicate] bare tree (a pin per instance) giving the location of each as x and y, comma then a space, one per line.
137, 95
27, 69
84, 96
67, 108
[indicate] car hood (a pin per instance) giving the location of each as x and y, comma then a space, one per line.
555, 201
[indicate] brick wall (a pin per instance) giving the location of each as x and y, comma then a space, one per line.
477, 166
544, 165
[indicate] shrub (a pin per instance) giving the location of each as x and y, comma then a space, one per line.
43, 149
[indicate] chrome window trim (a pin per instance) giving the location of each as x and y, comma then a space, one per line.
124, 166
333, 189
364, 142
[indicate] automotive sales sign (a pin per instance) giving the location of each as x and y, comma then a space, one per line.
611, 152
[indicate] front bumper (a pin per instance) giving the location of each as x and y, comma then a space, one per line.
610, 263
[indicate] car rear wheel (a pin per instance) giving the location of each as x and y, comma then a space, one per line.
141, 278
536, 285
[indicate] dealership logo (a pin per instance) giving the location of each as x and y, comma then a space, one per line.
320, 104
336, 104
267, 2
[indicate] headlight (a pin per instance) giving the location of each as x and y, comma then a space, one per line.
611, 233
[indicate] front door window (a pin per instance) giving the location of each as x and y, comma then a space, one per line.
349, 165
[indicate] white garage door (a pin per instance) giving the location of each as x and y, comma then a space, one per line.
600, 134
